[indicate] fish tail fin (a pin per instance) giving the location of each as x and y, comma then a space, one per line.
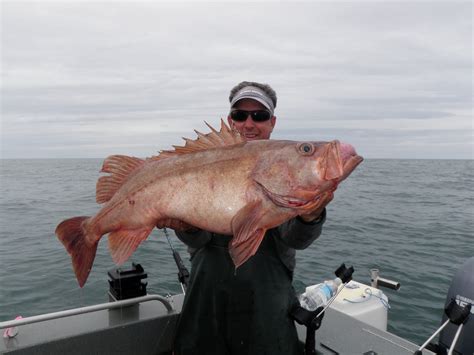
72, 234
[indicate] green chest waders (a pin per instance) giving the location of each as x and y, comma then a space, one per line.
238, 312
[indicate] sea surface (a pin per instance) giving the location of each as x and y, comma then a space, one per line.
411, 219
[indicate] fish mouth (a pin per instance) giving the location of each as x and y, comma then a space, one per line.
349, 165
339, 161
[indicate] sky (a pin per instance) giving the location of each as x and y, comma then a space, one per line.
87, 79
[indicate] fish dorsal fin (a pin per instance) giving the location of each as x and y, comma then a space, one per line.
214, 139
119, 167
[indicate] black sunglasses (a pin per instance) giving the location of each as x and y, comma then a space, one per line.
257, 116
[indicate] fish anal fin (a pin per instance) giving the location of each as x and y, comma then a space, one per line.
119, 167
247, 231
123, 242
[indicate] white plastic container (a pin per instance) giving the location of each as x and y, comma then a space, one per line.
365, 303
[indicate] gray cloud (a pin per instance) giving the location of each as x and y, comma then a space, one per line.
90, 79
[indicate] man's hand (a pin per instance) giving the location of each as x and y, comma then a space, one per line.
318, 207
175, 224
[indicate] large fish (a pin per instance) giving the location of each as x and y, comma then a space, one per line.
218, 182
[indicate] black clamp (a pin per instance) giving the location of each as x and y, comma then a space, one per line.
312, 321
345, 274
457, 315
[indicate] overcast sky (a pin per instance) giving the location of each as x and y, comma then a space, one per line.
90, 79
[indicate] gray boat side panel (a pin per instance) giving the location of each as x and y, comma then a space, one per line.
149, 329
341, 334
153, 336
72, 335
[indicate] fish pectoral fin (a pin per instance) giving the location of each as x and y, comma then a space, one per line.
123, 242
248, 234
241, 252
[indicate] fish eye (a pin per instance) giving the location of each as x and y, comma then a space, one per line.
305, 148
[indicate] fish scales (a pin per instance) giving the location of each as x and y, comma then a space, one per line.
217, 182
184, 189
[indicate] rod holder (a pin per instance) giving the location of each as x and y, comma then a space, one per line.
377, 281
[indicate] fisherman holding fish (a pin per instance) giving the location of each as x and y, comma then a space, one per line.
245, 311
242, 203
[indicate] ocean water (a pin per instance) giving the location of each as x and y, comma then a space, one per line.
412, 219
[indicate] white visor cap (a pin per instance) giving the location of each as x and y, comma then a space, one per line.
254, 93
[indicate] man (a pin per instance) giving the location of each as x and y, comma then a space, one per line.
245, 311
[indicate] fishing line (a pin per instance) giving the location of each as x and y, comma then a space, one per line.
364, 298
157, 346
183, 273
121, 293
168, 238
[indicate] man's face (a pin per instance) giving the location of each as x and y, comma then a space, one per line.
250, 129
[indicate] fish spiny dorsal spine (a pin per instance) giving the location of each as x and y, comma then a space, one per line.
120, 166
214, 139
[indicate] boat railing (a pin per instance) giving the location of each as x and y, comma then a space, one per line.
82, 310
